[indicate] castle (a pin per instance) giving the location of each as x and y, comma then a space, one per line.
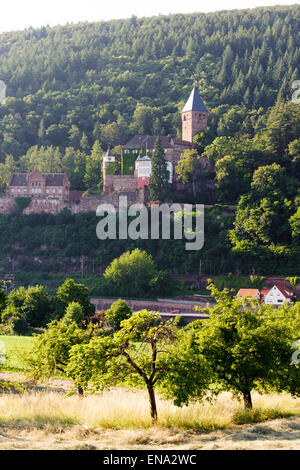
50, 192
137, 153
40, 185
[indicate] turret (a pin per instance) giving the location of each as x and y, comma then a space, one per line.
194, 116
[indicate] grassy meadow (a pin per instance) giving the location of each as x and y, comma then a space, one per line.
129, 409
14, 348
119, 419
42, 416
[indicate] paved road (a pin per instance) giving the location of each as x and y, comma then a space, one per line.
163, 306
189, 317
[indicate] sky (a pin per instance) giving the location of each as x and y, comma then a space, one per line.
21, 14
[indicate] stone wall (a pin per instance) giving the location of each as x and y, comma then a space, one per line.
6, 203
86, 204
38, 205
119, 183
90, 203
156, 306
193, 122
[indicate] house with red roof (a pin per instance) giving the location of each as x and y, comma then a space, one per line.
248, 294
277, 295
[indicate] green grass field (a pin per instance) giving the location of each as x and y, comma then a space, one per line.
14, 347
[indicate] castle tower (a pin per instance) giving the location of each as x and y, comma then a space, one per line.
108, 168
193, 116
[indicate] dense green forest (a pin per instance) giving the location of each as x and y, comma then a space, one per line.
71, 86
73, 90
43, 248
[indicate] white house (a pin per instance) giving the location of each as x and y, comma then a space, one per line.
278, 295
143, 170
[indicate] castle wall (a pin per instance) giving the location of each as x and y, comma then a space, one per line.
119, 183
86, 204
6, 203
90, 203
39, 205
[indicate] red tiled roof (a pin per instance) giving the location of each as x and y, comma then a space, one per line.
248, 293
146, 141
264, 291
52, 179
288, 293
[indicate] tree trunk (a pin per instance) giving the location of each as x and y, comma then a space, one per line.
152, 403
247, 400
80, 392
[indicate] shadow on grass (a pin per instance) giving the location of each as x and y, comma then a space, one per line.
259, 415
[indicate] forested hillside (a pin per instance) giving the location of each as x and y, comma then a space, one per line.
42, 246
70, 86
73, 90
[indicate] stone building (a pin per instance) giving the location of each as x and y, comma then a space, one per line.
39, 185
138, 151
194, 116
128, 175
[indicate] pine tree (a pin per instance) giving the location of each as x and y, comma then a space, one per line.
158, 184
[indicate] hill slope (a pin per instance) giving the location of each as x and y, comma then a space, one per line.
72, 82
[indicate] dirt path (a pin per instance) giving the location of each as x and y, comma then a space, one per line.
278, 434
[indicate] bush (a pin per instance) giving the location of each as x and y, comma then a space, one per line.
69, 292
131, 273
21, 203
5, 329
118, 312
18, 326
74, 313
179, 321
257, 282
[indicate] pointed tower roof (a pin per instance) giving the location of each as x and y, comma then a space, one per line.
194, 103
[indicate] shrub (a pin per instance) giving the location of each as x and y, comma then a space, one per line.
21, 203
118, 312
131, 273
18, 326
69, 292
74, 313
179, 321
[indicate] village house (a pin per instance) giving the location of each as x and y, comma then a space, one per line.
277, 295
249, 294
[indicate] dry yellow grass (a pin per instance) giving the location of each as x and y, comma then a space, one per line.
121, 409
119, 419
126, 414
